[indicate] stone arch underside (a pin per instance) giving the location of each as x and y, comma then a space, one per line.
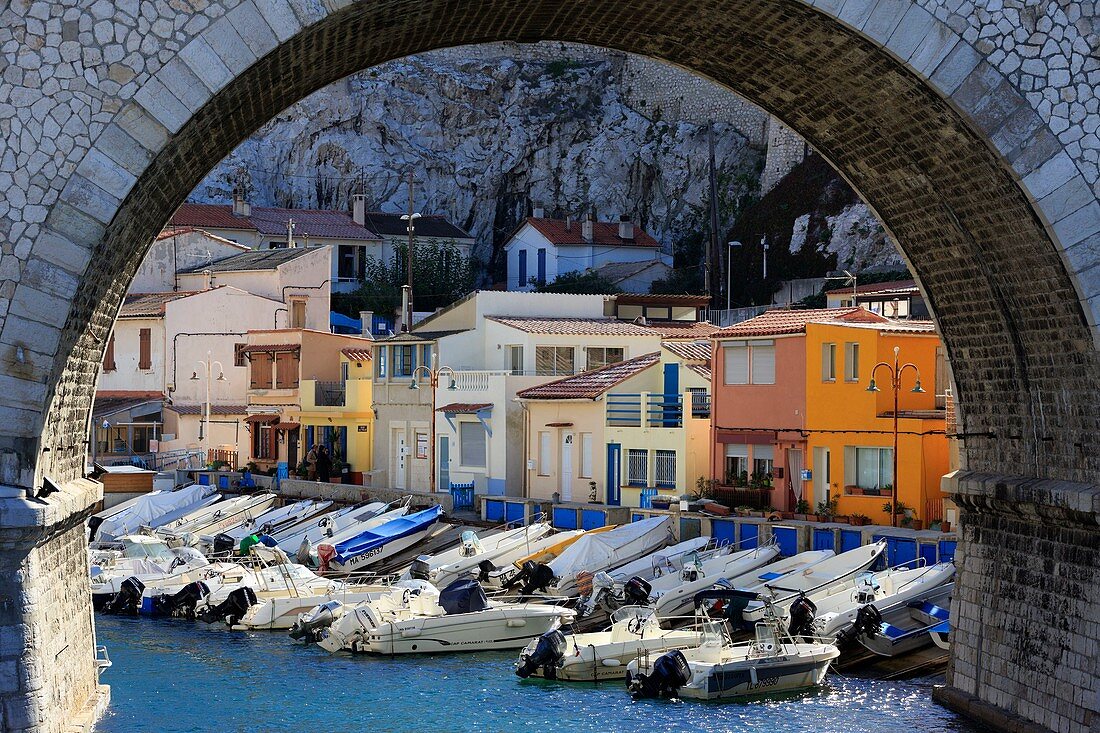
953, 160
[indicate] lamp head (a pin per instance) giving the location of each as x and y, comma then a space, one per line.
413, 384
873, 386
453, 386
221, 377
918, 389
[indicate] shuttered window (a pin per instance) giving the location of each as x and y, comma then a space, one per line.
286, 370
239, 357
763, 362
297, 314
261, 371
828, 362
851, 361
145, 349
109, 355
472, 444
553, 361
736, 358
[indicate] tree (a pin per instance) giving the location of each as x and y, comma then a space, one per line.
578, 282
441, 275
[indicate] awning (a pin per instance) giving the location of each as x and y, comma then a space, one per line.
465, 408
559, 424
287, 426
269, 418
268, 348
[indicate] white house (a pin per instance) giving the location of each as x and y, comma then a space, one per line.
541, 249
175, 250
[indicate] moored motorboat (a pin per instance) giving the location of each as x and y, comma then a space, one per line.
225, 514
718, 668
593, 553
903, 627
541, 550
473, 552
378, 543
601, 655
151, 510
144, 557
326, 526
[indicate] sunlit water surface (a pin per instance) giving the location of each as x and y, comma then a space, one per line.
180, 676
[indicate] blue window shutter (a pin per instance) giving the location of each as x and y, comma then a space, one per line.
542, 267
522, 268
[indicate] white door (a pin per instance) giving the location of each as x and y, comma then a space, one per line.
822, 470
567, 467
400, 451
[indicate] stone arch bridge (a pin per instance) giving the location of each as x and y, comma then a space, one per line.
970, 127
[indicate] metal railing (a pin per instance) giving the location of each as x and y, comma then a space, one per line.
329, 394
653, 410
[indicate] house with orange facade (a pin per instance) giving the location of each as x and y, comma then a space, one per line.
791, 419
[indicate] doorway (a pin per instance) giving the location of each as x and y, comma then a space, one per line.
567, 467
400, 453
822, 470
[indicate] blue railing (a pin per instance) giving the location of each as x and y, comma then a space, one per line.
462, 496
659, 411
645, 501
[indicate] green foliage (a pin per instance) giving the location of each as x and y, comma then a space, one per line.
704, 488
899, 509
828, 508
441, 275
585, 282
558, 67
802, 507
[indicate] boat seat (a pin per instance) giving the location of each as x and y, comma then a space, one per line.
891, 631
933, 611
770, 576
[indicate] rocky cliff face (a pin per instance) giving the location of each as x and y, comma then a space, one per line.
489, 131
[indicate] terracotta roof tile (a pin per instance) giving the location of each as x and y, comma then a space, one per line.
591, 384
662, 299
272, 221
214, 409
256, 348
780, 321
876, 287
149, 305
357, 354
703, 370
575, 326
690, 350
603, 233
177, 231
682, 329
465, 408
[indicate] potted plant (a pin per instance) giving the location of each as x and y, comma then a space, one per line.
826, 509
853, 490
801, 509
945, 526
859, 520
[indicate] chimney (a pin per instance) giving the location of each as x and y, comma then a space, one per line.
359, 209
366, 323
240, 206
538, 212
207, 279
568, 222
587, 225
626, 228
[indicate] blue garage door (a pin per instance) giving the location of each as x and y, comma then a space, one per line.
824, 539
928, 551
592, 518
787, 539
494, 511
565, 518
723, 531
750, 536
850, 539
947, 550
514, 513
899, 550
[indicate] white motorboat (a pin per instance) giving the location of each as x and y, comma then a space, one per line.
307, 553
278, 518
673, 595
718, 668
838, 606
378, 543
665, 561
541, 550
327, 525
604, 551
458, 618
941, 635
903, 627
226, 514
284, 611
143, 557
502, 547
151, 510
601, 655
781, 592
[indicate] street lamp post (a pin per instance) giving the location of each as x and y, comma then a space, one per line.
204, 425
896, 370
433, 375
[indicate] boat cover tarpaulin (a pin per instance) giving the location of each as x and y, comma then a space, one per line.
388, 532
463, 596
604, 550
151, 507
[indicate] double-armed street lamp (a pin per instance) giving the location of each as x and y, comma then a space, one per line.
433, 375
207, 367
896, 371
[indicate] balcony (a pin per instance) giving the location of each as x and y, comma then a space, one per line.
645, 409
329, 394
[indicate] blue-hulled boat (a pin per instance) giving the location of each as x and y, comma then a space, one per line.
377, 544
905, 627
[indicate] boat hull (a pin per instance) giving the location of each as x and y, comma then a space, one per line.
738, 679
597, 663
503, 627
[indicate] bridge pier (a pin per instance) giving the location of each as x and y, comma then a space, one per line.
48, 676
1026, 612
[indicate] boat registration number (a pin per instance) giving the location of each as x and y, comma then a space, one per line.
764, 683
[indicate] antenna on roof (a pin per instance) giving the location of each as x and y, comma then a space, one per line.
290, 234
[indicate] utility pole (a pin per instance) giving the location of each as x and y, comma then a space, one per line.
407, 296
712, 243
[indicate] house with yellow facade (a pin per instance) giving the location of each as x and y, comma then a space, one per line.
622, 433
338, 414
850, 430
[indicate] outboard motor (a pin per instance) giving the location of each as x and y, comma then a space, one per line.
802, 617
304, 553
223, 544
548, 654
868, 622
232, 609
636, 591
420, 570
309, 625
181, 604
127, 602
484, 570
539, 577
670, 673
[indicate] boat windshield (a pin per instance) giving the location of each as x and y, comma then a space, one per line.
714, 634
154, 549
627, 613
766, 641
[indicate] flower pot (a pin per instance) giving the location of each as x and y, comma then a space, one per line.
855, 491
945, 526
858, 521
787, 515
917, 525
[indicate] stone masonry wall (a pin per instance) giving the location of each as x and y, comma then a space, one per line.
785, 150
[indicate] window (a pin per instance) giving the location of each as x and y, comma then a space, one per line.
544, 454
403, 361
665, 469
345, 262
737, 464
297, 314
240, 358
263, 440
344, 366
286, 370
586, 455
851, 362
763, 458
143, 434
735, 355
700, 402
515, 360
426, 355
637, 467
828, 362
380, 354
472, 444
145, 349
749, 362
109, 355
868, 468
763, 362
260, 376
601, 356
542, 267
553, 361
522, 281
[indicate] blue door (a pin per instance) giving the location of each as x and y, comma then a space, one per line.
750, 536
614, 450
444, 461
824, 539
723, 531
542, 267
850, 539
787, 539
671, 396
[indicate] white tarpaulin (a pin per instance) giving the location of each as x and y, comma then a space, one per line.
150, 507
610, 549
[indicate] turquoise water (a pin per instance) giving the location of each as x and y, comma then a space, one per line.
180, 676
